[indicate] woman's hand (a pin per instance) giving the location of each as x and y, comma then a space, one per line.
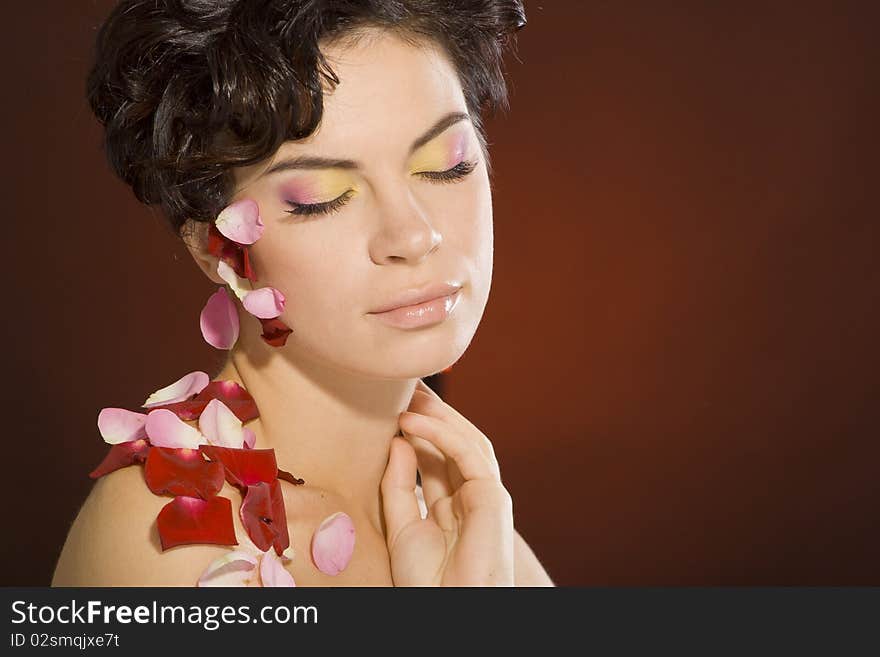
467, 538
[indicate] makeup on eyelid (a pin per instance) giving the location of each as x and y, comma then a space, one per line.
318, 187
323, 185
443, 153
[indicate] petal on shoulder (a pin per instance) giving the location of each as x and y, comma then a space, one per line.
119, 425
237, 568
272, 570
182, 389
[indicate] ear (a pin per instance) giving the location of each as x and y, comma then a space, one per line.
195, 237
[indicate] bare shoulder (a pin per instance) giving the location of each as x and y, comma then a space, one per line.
527, 569
114, 540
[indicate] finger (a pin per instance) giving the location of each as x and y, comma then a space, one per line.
433, 469
399, 503
471, 461
426, 402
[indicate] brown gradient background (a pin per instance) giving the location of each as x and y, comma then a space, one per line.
678, 364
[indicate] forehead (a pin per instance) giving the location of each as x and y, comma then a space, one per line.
390, 91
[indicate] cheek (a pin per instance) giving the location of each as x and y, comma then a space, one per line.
469, 218
307, 272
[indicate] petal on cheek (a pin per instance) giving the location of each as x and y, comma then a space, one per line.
265, 302
241, 222
239, 286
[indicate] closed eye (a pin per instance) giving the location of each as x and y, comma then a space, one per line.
456, 173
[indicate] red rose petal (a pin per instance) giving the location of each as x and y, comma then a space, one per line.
233, 254
243, 466
233, 395
229, 392
286, 476
186, 520
275, 332
263, 516
279, 519
185, 410
246, 265
181, 471
122, 455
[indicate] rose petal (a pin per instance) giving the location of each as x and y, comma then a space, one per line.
220, 425
119, 425
182, 472
284, 475
264, 302
247, 269
239, 286
122, 455
190, 409
184, 388
165, 429
243, 466
263, 516
233, 254
275, 332
186, 520
273, 572
250, 438
219, 320
237, 568
333, 543
234, 396
241, 221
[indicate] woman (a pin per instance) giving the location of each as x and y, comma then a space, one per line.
325, 164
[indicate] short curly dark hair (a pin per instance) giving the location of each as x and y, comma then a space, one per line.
189, 89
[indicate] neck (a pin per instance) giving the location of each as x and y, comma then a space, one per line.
332, 428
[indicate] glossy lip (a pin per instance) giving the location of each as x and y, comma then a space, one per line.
418, 296
425, 313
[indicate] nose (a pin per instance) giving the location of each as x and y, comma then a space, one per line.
405, 233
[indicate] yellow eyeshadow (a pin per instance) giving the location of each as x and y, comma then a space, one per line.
318, 187
441, 154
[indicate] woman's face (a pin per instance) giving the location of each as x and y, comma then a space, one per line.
396, 227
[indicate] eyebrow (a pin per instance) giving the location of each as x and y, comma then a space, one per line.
311, 162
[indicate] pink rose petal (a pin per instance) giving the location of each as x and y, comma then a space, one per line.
165, 429
264, 302
241, 221
250, 438
236, 568
119, 425
221, 426
181, 390
272, 570
219, 320
333, 543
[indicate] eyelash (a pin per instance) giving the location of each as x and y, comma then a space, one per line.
456, 173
